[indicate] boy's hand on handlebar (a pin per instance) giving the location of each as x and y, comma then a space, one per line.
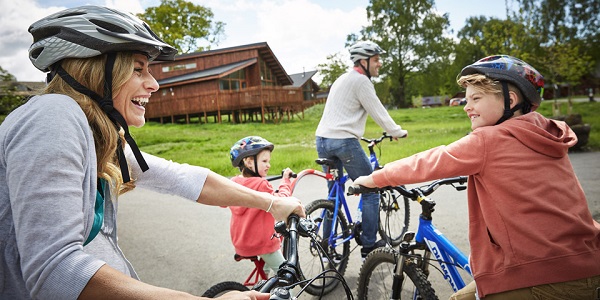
248, 295
366, 181
284, 206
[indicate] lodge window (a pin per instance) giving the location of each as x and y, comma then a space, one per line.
266, 75
233, 81
166, 69
307, 92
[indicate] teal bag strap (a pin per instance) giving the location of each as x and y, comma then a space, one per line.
98, 211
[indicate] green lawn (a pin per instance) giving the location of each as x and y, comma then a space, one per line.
208, 144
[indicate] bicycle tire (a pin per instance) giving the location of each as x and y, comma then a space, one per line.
394, 216
223, 287
310, 262
376, 277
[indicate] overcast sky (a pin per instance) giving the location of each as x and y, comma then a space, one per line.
301, 33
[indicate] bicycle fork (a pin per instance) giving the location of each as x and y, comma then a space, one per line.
405, 248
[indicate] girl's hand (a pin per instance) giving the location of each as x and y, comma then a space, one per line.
287, 173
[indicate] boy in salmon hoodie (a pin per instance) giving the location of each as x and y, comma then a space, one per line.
531, 233
252, 229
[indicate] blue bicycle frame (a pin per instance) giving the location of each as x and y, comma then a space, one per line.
337, 191
445, 252
337, 194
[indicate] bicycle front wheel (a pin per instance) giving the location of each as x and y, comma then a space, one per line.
394, 216
376, 278
310, 257
219, 289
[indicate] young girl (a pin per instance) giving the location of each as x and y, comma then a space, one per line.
252, 229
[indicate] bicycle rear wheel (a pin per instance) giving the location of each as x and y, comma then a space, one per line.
376, 275
223, 287
311, 259
394, 216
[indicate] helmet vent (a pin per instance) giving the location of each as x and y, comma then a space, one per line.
36, 52
43, 33
72, 14
108, 26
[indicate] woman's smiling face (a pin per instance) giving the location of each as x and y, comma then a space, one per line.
135, 93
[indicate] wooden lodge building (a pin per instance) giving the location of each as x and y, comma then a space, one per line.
244, 83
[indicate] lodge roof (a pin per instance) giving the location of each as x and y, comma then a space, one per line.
263, 50
207, 74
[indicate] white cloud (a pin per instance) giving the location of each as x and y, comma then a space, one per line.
301, 33
16, 17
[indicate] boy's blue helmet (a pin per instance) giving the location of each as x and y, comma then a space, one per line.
507, 69
511, 69
248, 146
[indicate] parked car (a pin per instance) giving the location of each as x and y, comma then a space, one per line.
457, 101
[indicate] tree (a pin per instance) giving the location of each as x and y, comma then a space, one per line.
333, 68
8, 100
5, 76
568, 38
183, 25
412, 34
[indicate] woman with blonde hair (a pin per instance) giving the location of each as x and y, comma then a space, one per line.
67, 154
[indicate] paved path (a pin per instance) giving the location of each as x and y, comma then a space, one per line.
181, 245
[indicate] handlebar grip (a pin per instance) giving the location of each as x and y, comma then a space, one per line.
292, 175
359, 189
277, 177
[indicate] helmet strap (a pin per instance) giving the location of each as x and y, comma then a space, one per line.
248, 170
368, 67
508, 112
106, 103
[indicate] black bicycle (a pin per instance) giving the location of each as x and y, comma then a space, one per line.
289, 274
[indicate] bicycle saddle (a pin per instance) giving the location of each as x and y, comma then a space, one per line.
326, 161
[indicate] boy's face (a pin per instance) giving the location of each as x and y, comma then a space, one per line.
484, 109
263, 161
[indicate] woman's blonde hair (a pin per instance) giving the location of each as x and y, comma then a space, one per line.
90, 73
487, 85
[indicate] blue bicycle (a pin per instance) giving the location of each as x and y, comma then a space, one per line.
336, 227
385, 271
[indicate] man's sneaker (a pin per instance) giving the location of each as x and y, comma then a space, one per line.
364, 251
336, 260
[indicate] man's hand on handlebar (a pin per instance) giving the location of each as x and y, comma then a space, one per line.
404, 135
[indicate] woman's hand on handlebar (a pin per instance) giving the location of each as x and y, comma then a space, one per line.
284, 206
248, 295
366, 181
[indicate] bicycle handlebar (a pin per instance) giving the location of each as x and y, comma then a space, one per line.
377, 140
288, 273
410, 193
277, 177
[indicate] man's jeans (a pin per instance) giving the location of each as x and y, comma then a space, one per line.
349, 155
